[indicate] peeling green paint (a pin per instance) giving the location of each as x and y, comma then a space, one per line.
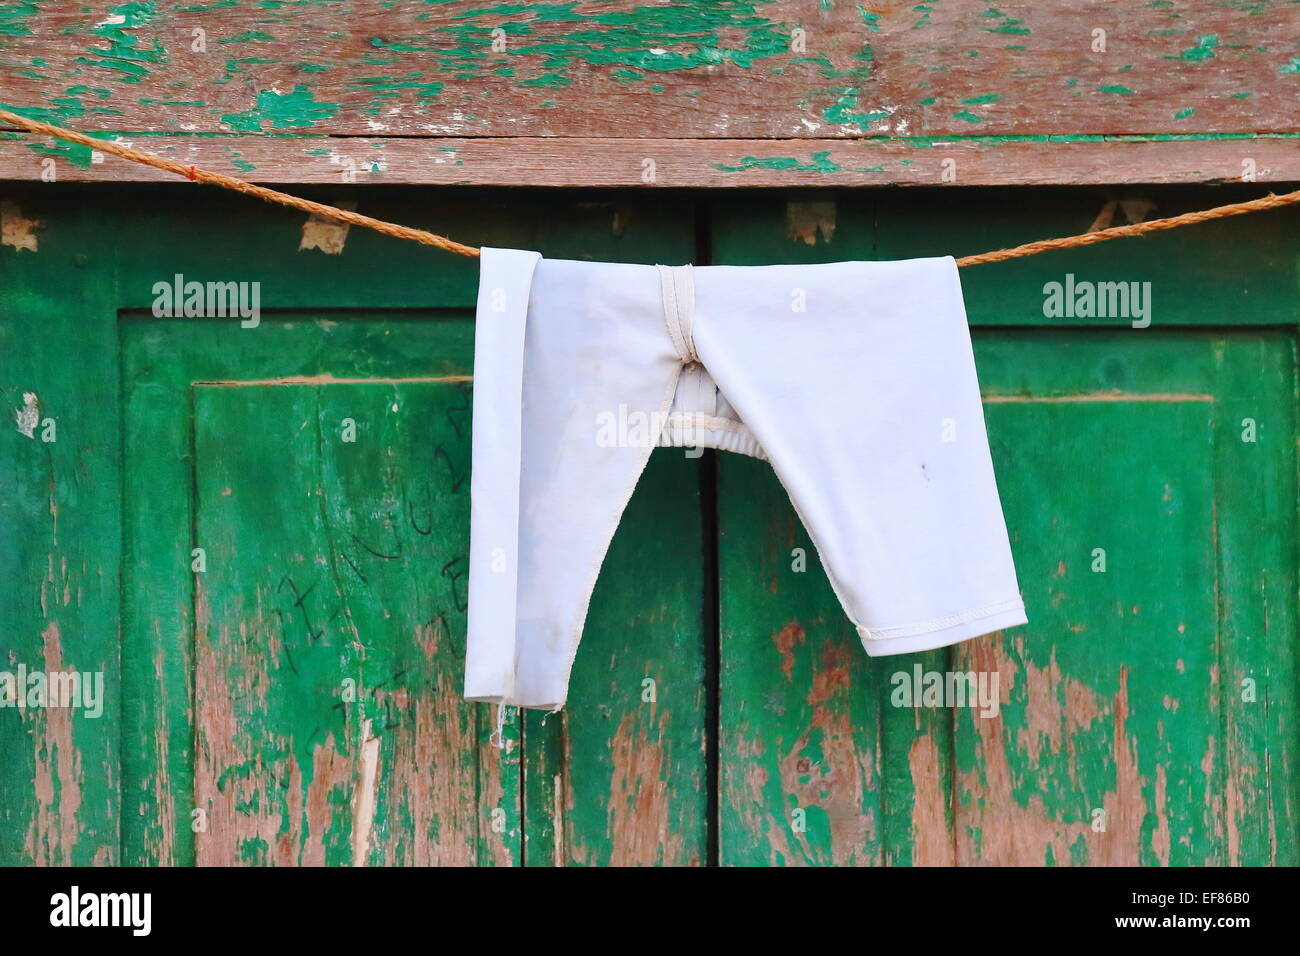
548, 79
60, 109
1008, 24
236, 66
626, 45
396, 47
13, 17
97, 91
250, 36
387, 88
846, 108
821, 59
203, 7
846, 111
1185, 113
72, 153
298, 108
124, 55
869, 20
820, 163
986, 98
645, 38
1202, 51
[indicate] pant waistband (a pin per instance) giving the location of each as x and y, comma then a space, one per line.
679, 309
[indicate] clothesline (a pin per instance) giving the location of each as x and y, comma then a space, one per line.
325, 211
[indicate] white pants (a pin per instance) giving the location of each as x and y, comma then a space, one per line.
855, 380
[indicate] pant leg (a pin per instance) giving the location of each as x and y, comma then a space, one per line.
859, 381
596, 375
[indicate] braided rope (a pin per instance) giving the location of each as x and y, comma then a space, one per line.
324, 211
1270, 201
240, 186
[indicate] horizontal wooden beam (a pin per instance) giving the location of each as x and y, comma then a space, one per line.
634, 68
582, 161
755, 93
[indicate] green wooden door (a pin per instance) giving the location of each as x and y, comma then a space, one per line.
257, 536
1146, 714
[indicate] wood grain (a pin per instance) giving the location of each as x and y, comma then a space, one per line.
825, 73
656, 163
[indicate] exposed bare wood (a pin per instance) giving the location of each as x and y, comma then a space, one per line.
676, 163
448, 90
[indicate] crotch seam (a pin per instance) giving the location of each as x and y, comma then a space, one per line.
679, 309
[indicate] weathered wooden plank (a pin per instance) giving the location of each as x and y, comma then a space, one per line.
618, 778
769, 70
1256, 426
328, 714
1176, 785
1103, 748
916, 765
157, 608
660, 162
277, 765
396, 503
800, 764
60, 521
698, 69
162, 359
